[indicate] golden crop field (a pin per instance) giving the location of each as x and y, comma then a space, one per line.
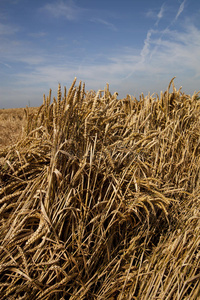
100, 197
11, 125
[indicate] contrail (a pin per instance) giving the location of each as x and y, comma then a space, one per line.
160, 14
180, 10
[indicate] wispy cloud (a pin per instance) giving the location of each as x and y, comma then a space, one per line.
160, 14
37, 34
156, 38
67, 9
164, 53
17, 52
7, 29
145, 50
180, 10
104, 22
150, 14
171, 58
154, 14
6, 65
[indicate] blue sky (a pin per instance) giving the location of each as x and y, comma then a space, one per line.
135, 46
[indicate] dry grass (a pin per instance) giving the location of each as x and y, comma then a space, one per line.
100, 199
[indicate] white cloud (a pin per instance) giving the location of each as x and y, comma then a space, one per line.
161, 58
163, 55
145, 50
5, 64
15, 51
104, 22
153, 14
150, 14
160, 14
7, 29
180, 10
67, 9
38, 34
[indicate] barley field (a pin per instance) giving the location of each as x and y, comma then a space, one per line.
100, 197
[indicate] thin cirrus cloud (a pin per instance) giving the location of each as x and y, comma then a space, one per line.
180, 10
164, 52
155, 38
160, 14
69, 10
39, 34
6, 65
166, 56
109, 25
6, 29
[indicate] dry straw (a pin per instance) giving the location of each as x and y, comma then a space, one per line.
100, 199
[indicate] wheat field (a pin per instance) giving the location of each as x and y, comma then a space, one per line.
100, 198
11, 124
